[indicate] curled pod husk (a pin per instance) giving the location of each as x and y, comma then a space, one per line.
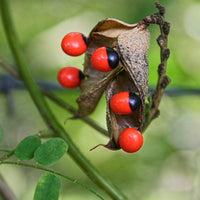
132, 47
104, 33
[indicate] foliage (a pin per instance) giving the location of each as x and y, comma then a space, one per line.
50, 151
26, 148
48, 187
164, 159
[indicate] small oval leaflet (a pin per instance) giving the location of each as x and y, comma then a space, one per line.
26, 148
48, 187
50, 151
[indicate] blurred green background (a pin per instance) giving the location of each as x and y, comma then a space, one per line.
168, 165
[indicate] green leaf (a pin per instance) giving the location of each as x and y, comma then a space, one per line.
26, 148
48, 187
1, 133
50, 151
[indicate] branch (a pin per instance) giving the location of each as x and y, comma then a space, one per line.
9, 69
163, 79
44, 110
52, 172
6, 156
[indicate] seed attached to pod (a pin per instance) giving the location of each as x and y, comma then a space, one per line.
70, 77
104, 59
74, 44
124, 103
130, 140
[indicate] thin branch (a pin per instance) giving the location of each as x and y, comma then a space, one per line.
75, 181
9, 69
5, 150
51, 87
44, 110
163, 79
6, 156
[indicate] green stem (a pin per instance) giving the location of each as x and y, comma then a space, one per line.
8, 155
53, 172
5, 150
44, 110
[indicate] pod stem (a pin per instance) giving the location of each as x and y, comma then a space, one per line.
163, 79
44, 109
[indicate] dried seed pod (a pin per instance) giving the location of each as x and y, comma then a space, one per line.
131, 43
132, 48
104, 33
117, 123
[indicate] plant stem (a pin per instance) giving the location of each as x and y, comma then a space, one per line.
5, 150
8, 155
163, 79
9, 69
44, 110
53, 172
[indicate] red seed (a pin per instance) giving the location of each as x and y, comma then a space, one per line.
70, 77
130, 140
74, 44
104, 59
124, 103
120, 103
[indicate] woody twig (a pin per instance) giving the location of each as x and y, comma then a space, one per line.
163, 79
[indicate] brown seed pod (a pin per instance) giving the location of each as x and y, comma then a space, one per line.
131, 41
104, 33
132, 47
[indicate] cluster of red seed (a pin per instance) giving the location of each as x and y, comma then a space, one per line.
73, 44
103, 59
